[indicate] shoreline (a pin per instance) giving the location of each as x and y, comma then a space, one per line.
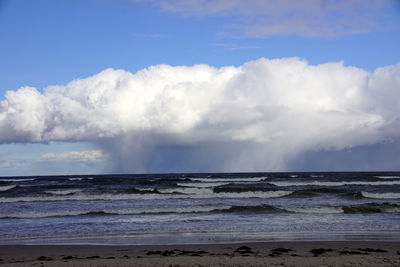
205, 238
296, 253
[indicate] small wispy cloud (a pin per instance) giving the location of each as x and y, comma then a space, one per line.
158, 35
311, 18
78, 156
67, 162
234, 47
5, 164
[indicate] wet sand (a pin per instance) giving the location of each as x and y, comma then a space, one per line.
244, 254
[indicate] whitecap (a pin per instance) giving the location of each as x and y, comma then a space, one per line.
76, 179
381, 195
195, 209
186, 190
80, 178
201, 184
314, 209
17, 180
392, 210
63, 192
6, 188
84, 197
145, 189
387, 177
231, 180
318, 183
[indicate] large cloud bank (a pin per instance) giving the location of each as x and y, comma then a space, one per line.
255, 117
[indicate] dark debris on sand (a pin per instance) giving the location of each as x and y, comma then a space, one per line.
352, 252
68, 258
177, 252
93, 257
319, 251
372, 250
44, 258
279, 251
244, 250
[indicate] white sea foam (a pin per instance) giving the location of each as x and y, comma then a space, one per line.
318, 183
6, 188
83, 197
332, 209
17, 180
194, 209
392, 210
253, 194
201, 184
80, 178
314, 209
387, 177
231, 180
63, 192
381, 195
144, 189
187, 190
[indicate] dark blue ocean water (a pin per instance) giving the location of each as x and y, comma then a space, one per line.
199, 208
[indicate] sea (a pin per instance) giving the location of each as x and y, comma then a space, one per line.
200, 208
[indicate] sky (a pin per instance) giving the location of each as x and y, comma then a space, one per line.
136, 86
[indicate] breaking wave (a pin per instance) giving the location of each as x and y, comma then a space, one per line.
387, 177
362, 208
198, 209
318, 183
111, 197
315, 209
230, 180
62, 192
80, 178
201, 184
17, 180
186, 190
7, 187
381, 195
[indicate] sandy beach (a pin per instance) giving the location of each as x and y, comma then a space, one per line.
244, 254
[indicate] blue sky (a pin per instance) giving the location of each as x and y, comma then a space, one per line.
47, 42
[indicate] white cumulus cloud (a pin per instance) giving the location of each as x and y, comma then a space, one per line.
258, 116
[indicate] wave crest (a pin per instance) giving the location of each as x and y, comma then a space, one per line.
381, 195
230, 180
63, 192
113, 197
7, 187
318, 183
